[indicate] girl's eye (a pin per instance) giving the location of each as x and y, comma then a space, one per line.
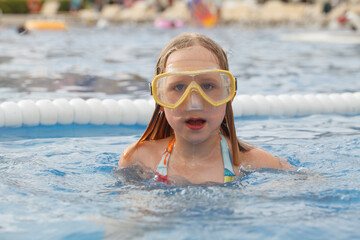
179, 87
207, 86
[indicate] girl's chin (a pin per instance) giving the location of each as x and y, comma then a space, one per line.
195, 138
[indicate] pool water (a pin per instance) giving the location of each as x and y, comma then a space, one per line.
61, 182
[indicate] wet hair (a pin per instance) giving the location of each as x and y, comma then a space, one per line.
159, 128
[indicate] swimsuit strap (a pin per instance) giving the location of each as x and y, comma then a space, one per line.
161, 171
229, 174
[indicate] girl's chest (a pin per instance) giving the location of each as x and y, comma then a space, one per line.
207, 171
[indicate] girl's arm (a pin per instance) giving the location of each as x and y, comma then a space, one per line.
258, 158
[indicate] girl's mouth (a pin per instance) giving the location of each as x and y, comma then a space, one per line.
195, 123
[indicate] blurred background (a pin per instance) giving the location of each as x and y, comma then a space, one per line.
324, 13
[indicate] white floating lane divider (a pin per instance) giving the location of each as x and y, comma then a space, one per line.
129, 112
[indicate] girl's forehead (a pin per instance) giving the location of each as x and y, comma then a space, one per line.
191, 58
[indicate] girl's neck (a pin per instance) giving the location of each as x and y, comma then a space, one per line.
187, 151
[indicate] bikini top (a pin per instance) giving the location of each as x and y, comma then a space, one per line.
229, 174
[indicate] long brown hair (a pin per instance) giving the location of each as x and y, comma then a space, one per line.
159, 128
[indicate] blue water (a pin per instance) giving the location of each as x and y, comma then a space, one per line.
61, 182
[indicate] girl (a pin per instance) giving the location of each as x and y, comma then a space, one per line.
191, 133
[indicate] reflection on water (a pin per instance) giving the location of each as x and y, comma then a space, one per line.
118, 60
68, 82
5, 59
158, 209
83, 60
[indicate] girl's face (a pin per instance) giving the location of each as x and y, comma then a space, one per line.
195, 120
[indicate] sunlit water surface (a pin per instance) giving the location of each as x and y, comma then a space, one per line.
61, 182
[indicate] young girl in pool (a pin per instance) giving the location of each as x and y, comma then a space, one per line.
191, 134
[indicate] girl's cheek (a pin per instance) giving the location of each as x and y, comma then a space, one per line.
173, 112
172, 116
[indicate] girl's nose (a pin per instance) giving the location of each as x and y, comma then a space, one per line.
194, 101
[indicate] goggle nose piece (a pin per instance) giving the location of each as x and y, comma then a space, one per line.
194, 101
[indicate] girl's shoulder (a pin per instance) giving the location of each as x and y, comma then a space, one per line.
147, 153
256, 157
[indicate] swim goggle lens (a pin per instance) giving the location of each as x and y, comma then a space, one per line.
216, 86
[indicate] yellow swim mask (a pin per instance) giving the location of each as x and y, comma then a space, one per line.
216, 86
